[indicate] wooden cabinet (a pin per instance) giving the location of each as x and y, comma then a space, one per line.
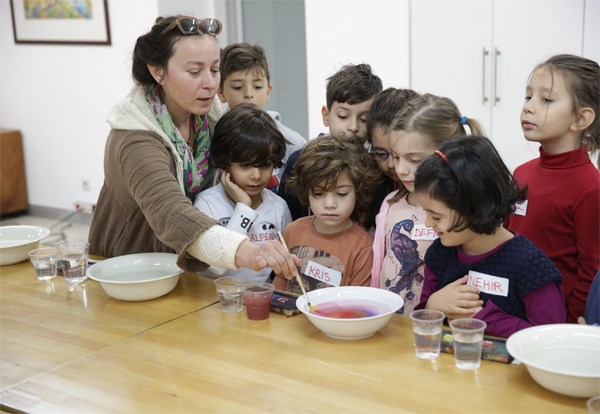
480, 53
13, 186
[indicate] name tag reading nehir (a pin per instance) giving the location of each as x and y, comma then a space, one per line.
489, 284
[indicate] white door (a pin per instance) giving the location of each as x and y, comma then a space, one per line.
526, 33
449, 42
591, 28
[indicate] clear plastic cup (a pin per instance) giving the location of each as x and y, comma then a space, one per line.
593, 405
44, 262
427, 331
230, 290
467, 335
73, 257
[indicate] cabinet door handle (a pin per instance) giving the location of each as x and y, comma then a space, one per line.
496, 54
484, 98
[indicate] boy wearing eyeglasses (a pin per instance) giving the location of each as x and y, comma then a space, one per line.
379, 127
245, 78
349, 95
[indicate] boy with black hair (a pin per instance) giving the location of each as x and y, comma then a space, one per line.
349, 95
246, 146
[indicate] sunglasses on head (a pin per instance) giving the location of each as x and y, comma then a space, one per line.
191, 25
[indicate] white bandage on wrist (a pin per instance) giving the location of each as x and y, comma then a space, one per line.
217, 247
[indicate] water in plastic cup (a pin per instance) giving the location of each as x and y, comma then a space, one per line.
44, 262
73, 258
427, 331
230, 290
257, 297
467, 335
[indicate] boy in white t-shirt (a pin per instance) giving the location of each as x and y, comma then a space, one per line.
246, 146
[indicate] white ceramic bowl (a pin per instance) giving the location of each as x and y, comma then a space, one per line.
17, 241
564, 358
384, 301
136, 277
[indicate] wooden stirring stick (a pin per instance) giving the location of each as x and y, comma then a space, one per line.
297, 275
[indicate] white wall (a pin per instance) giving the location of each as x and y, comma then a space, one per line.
340, 32
58, 96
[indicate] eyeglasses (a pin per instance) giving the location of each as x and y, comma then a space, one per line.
379, 154
191, 25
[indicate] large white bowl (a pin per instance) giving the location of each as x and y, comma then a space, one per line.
563, 358
17, 241
354, 328
136, 277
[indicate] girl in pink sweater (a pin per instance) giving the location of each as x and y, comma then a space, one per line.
401, 236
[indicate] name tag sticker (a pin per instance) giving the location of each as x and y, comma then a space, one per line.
422, 232
521, 208
492, 285
323, 273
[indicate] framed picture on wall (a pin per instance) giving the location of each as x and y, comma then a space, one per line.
68, 22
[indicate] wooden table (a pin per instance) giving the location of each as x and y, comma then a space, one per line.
84, 352
44, 326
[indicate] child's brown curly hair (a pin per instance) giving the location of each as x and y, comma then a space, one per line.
322, 161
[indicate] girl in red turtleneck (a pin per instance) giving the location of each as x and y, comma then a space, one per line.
562, 212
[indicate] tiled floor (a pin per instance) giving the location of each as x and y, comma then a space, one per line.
62, 228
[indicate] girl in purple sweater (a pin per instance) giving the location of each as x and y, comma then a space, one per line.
477, 268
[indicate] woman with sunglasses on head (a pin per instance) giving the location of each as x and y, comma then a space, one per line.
156, 157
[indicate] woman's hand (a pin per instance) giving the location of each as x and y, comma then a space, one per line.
272, 255
234, 191
456, 300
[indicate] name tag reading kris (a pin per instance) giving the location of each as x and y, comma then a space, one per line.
492, 285
422, 232
323, 273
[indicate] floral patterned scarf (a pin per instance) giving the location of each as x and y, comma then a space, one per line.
195, 160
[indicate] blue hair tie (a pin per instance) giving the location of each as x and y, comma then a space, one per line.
463, 120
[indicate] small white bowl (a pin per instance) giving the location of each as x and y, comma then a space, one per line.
17, 241
351, 328
137, 277
564, 358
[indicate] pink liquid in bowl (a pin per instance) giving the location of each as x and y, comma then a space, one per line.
350, 309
